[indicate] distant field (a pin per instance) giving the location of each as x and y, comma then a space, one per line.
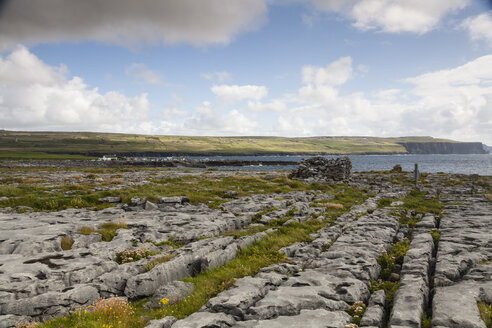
57, 145
19, 155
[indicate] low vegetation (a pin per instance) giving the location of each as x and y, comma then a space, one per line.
356, 311
159, 260
485, 313
132, 255
170, 242
84, 191
388, 260
389, 288
384, 202
436, 235
416, 201
104, 313
66, 243
107, 230
426, 321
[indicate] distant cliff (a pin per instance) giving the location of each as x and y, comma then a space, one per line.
444, 147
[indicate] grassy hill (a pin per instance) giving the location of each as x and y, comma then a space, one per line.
77, 145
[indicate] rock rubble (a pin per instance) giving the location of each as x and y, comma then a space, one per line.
323, 169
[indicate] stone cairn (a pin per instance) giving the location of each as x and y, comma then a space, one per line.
323, 169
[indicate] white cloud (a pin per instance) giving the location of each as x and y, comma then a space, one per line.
142, 74
129, 22
35, 95
453, 103
221, 77
480, 27
275, 105
393, 16
234, 93
336, 73
173, 112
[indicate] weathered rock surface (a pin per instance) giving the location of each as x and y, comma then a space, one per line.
463, 276
173, 292
39, 279
412, 297
321, 280
317, 290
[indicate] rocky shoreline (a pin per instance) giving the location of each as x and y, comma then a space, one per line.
316, 286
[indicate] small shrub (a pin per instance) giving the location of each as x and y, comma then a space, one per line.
387, 264
291, 211
77, 202
114, 307
384, 202
485, 313
399, 250
395, 255
107, 230
426, 321
436, 234
129, 255
389, 287
326, 246
66, 243
85, 230
356, 311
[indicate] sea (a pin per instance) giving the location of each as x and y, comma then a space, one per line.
465, 164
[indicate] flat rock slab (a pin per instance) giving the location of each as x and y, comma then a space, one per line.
463, 276
306, 318
456, 306
315, 288
206, 320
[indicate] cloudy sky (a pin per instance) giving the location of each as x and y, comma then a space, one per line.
248, 67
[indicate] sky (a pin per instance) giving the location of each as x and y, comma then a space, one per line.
293, 68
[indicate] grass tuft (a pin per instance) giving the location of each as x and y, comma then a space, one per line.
436, 235
389, 287
104, 313
162, 259
384, 202
485, 313
426, 321
107, 230
66, 243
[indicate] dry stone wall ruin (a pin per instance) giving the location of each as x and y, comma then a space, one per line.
323, 169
